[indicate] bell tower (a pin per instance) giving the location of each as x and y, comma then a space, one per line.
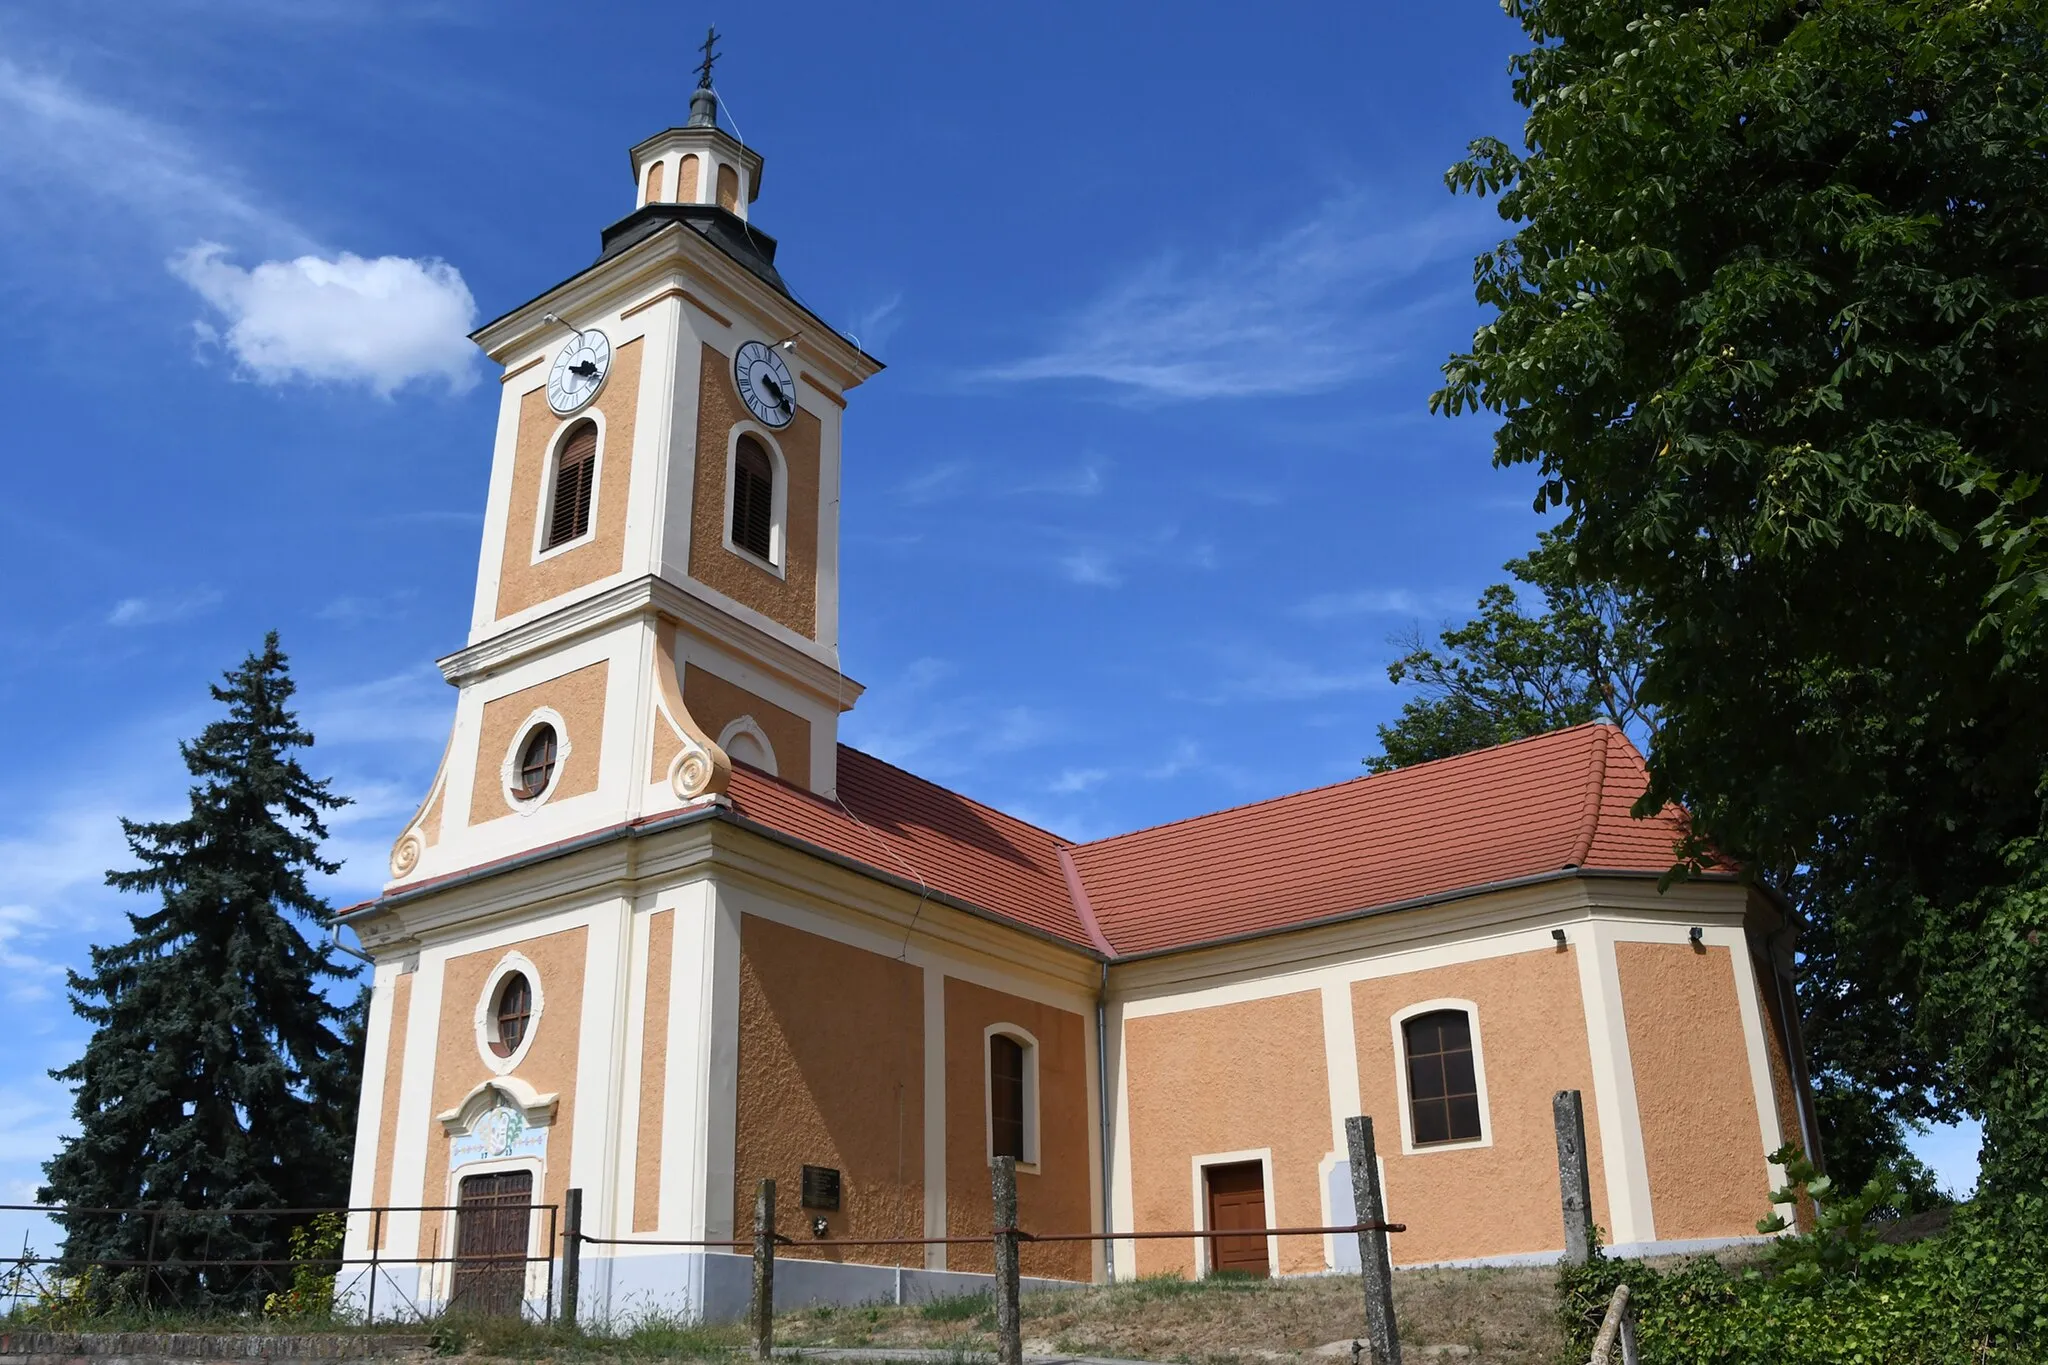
657, 594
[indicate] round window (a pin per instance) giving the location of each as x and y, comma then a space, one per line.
536, 763
513, 1012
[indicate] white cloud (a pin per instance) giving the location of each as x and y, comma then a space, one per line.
1074, 780
1300, 314
63, 144
26, 977
1091, 568
1380, 602
873, 327
345, 319
162, 610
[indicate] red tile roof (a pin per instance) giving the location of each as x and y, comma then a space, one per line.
1519, 810
924, 834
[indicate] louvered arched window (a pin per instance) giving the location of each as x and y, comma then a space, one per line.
753, 498
575, 480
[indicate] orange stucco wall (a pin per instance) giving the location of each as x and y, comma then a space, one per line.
1500, 1199
831, 1073
549, 1064
793, 598
1222, 1079
524, 580
394, 1078
1054, 1199
715, 703
577, 697
661, 934
1701, 1137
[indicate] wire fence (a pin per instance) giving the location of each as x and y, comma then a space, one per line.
480, 1258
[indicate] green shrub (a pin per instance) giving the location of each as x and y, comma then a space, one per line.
316, 1252
1977, 1293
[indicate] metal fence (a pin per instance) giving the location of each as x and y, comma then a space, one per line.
492, 1257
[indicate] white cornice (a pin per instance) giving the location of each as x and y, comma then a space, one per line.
1551, 900
609, 284
809, 670
690, 850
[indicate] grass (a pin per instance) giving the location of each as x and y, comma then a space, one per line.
1466, 1317
1475, 1317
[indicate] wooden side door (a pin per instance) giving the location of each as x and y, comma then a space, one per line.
493, 1213
1237, 1200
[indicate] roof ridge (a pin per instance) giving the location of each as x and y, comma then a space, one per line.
1332, 786
1596, 790
1060, 839
1084, 909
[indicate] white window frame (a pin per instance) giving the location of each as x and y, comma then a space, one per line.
778, 501
544, 513
1408, 1143
508, 771
1029, 1163
751, 728
1201, 1164
487, 1014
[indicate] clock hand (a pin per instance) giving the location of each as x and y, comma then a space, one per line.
586, 368
775, 392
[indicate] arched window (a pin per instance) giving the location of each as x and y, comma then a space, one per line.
512, 1012
654, 185
686, 181
753, 498
728, 189
575, 478
536, 763
1006, 1096
1443, 1083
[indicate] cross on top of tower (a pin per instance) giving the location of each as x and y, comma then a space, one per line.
710, 55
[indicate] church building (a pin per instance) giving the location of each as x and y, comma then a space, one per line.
655, 933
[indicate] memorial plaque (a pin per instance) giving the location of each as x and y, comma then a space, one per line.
821, 1188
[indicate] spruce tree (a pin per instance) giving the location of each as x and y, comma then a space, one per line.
216, 1073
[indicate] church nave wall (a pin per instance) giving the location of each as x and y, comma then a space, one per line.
1054, 1187
831, 1073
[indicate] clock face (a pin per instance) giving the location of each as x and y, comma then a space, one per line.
579, 371
764, 383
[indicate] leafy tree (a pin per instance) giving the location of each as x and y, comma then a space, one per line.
1506, 675
215, 1077
1773, 325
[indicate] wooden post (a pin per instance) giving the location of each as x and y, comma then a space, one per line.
1009, 1312
1375, 1263
1573, 1184
572, 1252
764, 1270
1615, 1329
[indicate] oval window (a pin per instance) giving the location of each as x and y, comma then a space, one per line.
536, 763
514, 1012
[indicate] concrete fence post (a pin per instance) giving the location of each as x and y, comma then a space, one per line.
1573, 1181
572, 1252
1375, 1260
763, 1306
1009, 1312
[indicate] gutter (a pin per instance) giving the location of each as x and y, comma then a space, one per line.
1084, 910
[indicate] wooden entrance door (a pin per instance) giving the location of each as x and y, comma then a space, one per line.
492, 1215
1237, 1200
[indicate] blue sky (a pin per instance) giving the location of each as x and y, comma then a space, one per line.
1129, 520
